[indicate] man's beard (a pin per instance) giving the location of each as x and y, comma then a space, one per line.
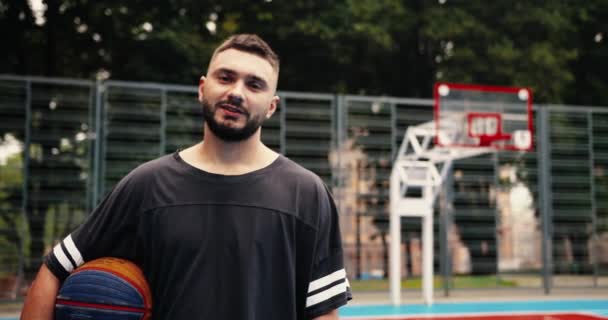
227, 133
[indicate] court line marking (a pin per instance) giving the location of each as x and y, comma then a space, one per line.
451, 316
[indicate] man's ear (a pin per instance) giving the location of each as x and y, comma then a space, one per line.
274, 104
201, 84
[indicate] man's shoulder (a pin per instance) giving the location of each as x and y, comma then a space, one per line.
298, 173
151, 169
161, 162
304, 189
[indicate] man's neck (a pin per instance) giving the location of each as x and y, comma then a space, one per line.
229, 158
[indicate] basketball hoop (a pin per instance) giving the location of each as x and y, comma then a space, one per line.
469, 120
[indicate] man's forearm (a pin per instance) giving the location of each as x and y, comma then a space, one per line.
333, 315
40, 300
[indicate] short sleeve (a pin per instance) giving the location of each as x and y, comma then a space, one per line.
329, 287
109, 231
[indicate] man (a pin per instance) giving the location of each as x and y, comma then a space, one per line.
226, 229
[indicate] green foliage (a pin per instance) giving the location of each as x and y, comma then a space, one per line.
459, 281
352, 46
12, 224
518, 43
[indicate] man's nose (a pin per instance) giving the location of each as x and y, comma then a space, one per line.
235, 96
235, 99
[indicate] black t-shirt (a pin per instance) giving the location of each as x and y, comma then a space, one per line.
262, 245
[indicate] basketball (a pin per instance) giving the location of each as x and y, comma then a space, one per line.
105, 288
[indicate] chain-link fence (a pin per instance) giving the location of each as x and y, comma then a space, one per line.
507, 219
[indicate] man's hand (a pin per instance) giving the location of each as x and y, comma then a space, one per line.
332, 315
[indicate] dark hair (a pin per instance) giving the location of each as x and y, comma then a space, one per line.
250, 43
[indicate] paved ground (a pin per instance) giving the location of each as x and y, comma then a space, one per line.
465, 295
11, 310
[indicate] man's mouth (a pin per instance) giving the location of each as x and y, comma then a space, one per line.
232, 109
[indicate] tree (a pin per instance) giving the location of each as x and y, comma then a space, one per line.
385, 47
16, 21
11, 219
515, 43
591, 40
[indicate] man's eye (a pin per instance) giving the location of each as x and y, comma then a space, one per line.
224, 78
256, 85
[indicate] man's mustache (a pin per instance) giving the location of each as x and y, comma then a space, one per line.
235, 103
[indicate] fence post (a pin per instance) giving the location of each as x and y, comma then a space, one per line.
163, 122
446, 214
338, 103
283, 127
594, 235
99, 91
25, 186
497, 215
545, 194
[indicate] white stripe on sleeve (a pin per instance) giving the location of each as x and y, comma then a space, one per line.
324, 295
322, 282
62, 258
73, 251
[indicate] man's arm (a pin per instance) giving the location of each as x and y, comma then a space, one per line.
332, 315
40, 300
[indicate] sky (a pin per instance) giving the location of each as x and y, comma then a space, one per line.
9, 146
38, 9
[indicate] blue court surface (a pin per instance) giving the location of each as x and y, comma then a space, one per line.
571, 309
521, 310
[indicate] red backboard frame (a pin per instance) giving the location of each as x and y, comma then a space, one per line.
484, 88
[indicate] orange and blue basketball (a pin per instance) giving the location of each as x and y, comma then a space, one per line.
105, 289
